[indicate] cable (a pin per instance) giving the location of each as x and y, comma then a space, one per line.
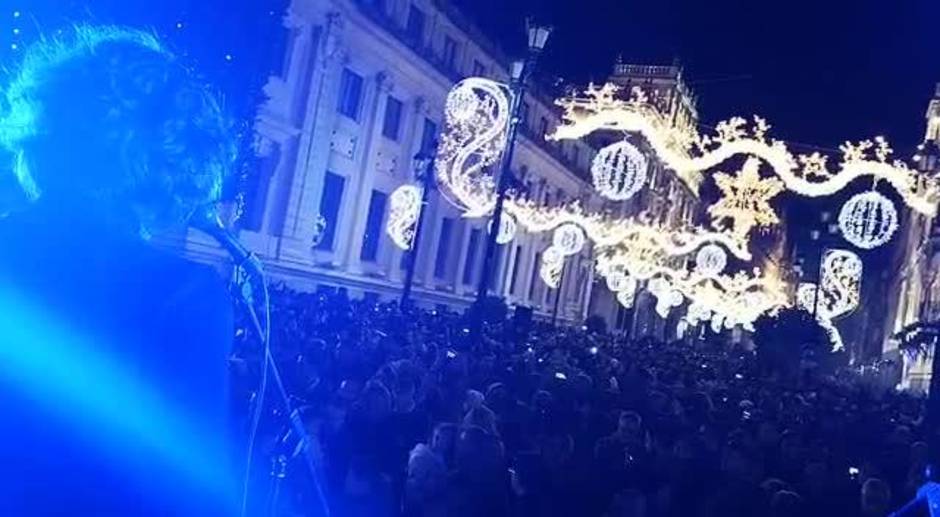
264, 332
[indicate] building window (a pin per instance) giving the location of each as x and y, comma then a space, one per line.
443, 246
575, 155
330, 200
534, 278
469, 264
515, 270
392, 122
414, 28
543, 127
428, 135
524, 113
450, 51
350, 94
479, 70
370, 240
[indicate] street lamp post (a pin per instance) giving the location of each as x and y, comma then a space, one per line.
423, 167
816, 235
561, 287
520, 72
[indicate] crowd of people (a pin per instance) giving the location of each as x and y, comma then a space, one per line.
408, 415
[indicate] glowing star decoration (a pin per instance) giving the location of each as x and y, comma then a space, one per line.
839, 293
553, 260
868, 220
619, 171
689, 154
403, 213
745, 200
710, 260
507, 229
569, 239
474, 137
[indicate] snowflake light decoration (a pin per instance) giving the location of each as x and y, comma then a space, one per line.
868, 220
619, 171
745, 199
404, 210
710, 260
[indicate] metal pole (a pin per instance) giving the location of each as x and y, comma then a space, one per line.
502, 183
819, 279
427, 181
561, 287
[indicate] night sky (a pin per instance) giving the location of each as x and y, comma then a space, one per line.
821, 72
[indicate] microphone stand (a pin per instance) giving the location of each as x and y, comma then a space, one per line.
269, 364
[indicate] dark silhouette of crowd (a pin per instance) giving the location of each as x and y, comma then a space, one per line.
408, 415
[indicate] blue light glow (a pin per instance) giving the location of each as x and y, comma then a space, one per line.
96, 398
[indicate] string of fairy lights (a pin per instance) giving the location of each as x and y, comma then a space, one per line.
629, 252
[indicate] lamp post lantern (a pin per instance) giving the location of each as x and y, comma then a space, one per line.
520, 71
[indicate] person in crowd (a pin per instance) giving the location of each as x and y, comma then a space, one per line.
418, 421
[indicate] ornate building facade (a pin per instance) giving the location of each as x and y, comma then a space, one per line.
360, 93
915, 275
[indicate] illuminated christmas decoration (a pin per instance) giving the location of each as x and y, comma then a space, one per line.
569, 239
507, 229
745, 200
710, 260
689, 154
403, 212
619, 171
553, 261
476, 123
319, 230
839, 292
868, 220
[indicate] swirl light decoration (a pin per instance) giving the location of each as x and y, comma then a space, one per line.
404, 210
690, 154
868, 220
619, 171
553, 261
839, 292
477, 118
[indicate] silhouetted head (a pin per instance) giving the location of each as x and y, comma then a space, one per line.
106, 119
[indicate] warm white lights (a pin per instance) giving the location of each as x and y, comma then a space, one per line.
619, 171
689, 153
868, 220
507, 229
745, 200
553, 261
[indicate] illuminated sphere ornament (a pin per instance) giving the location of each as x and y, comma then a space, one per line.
507, 229
868, 220
462, 103
569, 239
619, 171
710, 260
